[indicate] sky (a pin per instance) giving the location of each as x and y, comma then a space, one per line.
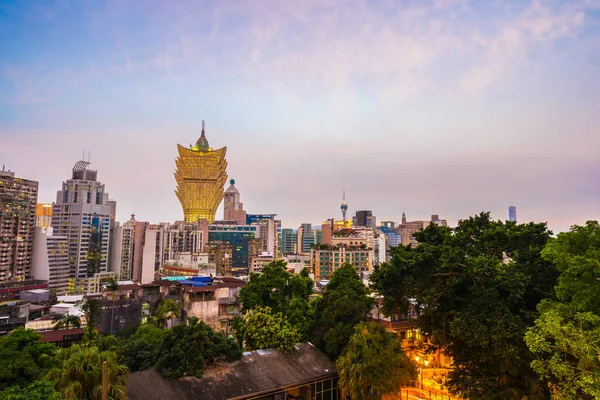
428, 106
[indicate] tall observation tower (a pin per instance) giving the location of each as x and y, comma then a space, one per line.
344, 207
200, 175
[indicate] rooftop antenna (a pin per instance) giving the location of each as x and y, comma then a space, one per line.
203, 125
3, 166
89, 155
83, 155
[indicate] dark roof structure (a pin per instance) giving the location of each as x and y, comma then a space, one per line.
257, 372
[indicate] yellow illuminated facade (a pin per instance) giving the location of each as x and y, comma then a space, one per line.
200, 177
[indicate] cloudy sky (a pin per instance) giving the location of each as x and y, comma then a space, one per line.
431, 106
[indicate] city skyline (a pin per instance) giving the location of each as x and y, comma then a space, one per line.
441, 107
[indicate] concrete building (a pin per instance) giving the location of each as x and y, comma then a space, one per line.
233, 209
43, 215
269, 227
148, 255
407, 229
122, 249
50, 261
220, 254
289, 241
82, 214
258, 262
365, 218
18, 199
326, 259
239, 236
512, 214
215, 302
305, 238
201, 176
380, 249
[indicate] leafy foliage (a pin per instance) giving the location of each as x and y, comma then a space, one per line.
264, 329
566, 336
140, 351
373, 364
91, 308
283, 293
345, 303
168, 310
23, 358
38, 390
77, 373
66, 321
475, 289
188, 349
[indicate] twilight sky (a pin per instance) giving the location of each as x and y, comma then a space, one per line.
445, 107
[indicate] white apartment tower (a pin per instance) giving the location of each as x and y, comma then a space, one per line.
82, 214
50, 260
122, 248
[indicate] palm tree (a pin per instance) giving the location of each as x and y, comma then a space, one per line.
65, 321
373, 364
112, 286
78, 373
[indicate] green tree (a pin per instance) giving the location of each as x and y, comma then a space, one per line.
275, 287
77, 373
188, 349
91, 308
66, 321
141, 350
264, 329
38, 390
474, 289
344, 304
566, 336
168, 310
23, 358
373, 364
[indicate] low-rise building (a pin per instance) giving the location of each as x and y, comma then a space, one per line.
258, 262
214, 301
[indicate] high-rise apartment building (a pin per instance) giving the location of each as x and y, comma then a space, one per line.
239, 236
233, 210
122, 249
306, 238
200, 177
82, 214
512, 214
43, 215
18, 199
51, 259
289, 239
365, 218
268, 231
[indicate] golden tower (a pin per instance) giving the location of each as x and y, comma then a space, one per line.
200, 177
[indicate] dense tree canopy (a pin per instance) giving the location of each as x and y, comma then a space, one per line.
37, 390
475, 289
345, 303
23, 358
262, 328
187, 349
283, 293
373, 364
566, 336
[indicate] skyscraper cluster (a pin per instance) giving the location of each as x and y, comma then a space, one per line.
75, 244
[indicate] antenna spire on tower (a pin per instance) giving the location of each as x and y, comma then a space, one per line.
203, 125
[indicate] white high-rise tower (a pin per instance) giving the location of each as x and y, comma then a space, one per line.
82, 213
